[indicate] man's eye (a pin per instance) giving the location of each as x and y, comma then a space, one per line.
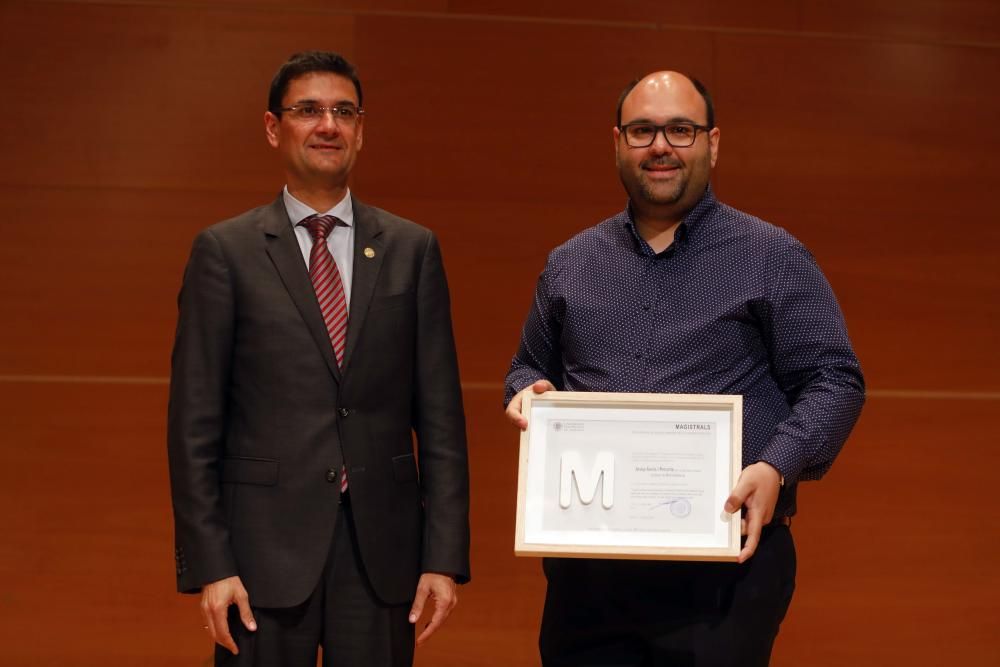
679, 130
641, 131
308, 111
347, 113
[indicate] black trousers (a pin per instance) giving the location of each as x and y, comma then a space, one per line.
622, 613
342, 616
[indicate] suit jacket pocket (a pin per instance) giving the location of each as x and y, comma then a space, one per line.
404, 468
247, 470
390, 301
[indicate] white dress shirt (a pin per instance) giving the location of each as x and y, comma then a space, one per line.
340, 241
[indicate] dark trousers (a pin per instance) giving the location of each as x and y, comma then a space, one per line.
623, 613
342, 616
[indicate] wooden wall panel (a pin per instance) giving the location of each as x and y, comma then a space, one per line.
504, 152
777, 14
899, 537
926, 20
487, 111
843, 144
147, 97
897, 545
89, 277
86, 557
497, 620
301, 9
88, 538
970, 21
866, 130
493, 252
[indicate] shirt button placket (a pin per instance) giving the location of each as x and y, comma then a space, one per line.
647, 297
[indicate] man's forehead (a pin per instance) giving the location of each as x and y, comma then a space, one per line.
664, 93
322, 86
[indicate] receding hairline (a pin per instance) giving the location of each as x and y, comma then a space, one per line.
699, 87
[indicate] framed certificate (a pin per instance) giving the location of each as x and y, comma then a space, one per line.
645, 476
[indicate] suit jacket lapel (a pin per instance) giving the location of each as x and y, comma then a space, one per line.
283, 249
368, 254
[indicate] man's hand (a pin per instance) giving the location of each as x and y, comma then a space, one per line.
215, 600
443, 589
514, 407
757, 490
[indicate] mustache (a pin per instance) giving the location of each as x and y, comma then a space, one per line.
664, 161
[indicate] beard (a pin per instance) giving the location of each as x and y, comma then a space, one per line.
661, 193
639, 186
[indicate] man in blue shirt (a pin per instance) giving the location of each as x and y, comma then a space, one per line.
680, 293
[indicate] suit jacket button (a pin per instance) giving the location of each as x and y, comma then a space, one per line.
343, 412
331, 475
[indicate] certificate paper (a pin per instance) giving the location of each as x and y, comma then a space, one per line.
629, 476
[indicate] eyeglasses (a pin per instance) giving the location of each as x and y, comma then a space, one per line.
678, 135
312, 113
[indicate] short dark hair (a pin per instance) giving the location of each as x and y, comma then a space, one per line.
299, 64
698, 85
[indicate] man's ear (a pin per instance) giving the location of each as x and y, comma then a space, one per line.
271, 128
713, 144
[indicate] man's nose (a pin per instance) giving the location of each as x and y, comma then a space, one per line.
327, 122
660, 145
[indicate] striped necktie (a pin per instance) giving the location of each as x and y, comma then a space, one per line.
329, 291
326, 281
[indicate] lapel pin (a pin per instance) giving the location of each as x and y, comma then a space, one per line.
369, 253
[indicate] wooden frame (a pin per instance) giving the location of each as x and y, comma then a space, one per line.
679, 456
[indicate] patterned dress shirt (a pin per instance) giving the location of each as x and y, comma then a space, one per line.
734, 306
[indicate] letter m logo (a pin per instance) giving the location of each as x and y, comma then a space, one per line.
571, 469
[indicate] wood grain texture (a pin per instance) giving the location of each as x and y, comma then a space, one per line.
89, 277
867, 129
841, 143
882, 542
949, 21
897, 545
501, 112
782, 14
147, 96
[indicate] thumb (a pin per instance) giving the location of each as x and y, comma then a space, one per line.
736, 499
243, 604
542, 386
418, 604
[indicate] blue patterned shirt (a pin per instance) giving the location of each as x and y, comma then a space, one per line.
734, 306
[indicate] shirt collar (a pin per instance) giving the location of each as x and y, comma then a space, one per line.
689, 223
297, 211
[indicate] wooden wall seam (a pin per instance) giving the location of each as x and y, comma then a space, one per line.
522, 19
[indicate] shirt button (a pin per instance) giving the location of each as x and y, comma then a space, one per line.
331, 475
343, 412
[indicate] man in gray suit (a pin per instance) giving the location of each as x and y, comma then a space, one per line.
314, 340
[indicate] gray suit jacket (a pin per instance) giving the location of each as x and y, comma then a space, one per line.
261, 419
